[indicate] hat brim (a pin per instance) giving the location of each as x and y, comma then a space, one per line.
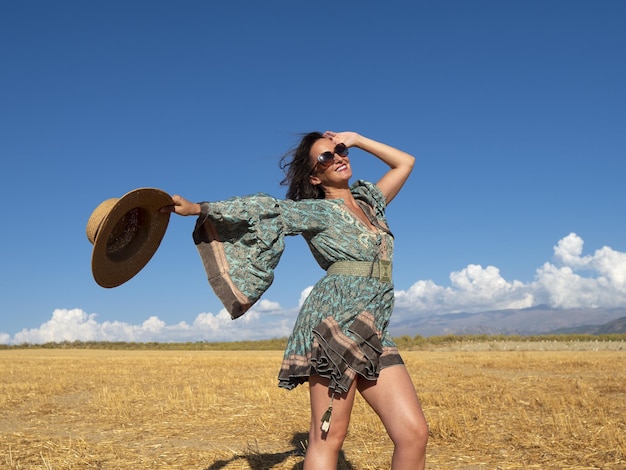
129, 235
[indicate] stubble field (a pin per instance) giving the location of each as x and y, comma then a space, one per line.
492, 406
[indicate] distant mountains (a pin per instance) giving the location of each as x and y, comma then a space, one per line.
617, 326
530, 321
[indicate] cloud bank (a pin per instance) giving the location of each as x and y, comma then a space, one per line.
77, 325
570, 281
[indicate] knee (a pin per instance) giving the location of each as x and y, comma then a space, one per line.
414, 435
332, 440
420, 434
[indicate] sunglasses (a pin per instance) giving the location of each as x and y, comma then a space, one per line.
325, 159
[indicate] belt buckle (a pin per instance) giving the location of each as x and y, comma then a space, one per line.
384, 269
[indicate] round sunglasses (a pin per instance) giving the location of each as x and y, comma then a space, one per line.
325, 159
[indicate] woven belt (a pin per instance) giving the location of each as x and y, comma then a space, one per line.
379, 269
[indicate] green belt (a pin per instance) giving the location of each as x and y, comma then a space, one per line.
380, 269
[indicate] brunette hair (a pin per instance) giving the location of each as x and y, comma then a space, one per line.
297, 167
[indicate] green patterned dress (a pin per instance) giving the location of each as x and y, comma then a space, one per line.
341, 330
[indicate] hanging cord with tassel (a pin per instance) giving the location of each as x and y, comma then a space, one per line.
328, 415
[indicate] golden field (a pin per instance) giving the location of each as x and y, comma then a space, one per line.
489, 406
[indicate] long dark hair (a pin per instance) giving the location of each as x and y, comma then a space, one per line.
297, 167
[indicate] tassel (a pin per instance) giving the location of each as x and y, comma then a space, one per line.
326, 419
327, 416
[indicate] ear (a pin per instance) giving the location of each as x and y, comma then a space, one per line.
314, 180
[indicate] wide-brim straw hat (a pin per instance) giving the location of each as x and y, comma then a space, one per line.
125, 233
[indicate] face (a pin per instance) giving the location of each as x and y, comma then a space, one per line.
329, 161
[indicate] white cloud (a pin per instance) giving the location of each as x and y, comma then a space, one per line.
77, 325
568, 250
153, 325
266, 306
303, 295
562, 286
472, 289
572, 280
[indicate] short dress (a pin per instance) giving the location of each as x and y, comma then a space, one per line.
341, 330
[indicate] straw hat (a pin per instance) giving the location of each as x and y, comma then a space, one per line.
125, 233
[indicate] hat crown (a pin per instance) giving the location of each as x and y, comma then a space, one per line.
97, 216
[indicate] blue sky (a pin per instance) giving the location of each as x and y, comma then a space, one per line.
515, 111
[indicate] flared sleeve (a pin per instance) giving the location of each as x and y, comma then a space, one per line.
371, 195
240, 241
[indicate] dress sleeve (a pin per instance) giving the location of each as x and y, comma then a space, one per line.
369, 193
241, 240
372, 201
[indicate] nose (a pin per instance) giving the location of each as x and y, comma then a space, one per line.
338, 156
336, 159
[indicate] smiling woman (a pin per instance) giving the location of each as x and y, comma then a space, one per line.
340, 342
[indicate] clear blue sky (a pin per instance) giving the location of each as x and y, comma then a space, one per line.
515, 111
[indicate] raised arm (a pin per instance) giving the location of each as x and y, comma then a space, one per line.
400, 163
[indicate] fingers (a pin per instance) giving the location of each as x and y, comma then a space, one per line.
182, 206
348, 138
172, 207
335, 137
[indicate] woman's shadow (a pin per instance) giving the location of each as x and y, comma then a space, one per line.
260, 461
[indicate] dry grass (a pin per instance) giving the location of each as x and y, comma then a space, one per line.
83, 409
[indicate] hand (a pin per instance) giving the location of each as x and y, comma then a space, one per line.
182, 206
349, 139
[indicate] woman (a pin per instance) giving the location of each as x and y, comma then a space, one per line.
340, 344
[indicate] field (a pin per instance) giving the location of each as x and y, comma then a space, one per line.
489, 406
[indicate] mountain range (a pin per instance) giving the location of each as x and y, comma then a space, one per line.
529, 321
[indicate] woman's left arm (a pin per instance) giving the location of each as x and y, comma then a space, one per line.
400, 163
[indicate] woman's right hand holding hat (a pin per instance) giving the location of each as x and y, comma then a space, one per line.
182, 206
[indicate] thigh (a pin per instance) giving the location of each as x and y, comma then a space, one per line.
321, 398
394, 399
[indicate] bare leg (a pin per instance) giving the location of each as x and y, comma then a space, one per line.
323, 449
394, 399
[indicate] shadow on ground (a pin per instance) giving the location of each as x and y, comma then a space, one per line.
260, 461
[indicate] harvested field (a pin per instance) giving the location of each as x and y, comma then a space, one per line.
489, 407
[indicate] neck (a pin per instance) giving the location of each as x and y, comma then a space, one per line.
338, 193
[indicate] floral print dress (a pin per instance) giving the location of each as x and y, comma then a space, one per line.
341, 330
